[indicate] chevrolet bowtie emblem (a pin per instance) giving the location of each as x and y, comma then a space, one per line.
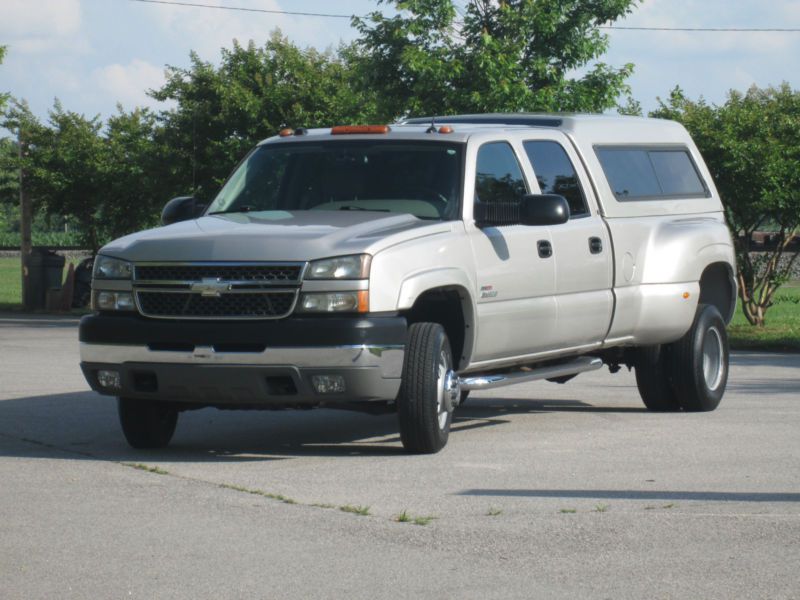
211, 288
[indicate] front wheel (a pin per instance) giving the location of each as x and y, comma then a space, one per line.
147, 423
429, 390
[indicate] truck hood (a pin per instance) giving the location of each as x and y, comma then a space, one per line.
273, 236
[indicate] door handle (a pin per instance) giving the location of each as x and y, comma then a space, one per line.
595, 245
545, 249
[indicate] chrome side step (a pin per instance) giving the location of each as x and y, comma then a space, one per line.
573, 367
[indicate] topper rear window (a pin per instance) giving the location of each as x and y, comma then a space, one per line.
651, 173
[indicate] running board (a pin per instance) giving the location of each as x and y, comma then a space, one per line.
573, 367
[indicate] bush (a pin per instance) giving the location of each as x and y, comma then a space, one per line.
43, 238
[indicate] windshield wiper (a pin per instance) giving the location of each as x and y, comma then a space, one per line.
239, 209
354, 207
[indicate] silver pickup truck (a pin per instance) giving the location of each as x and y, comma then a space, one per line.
399, 267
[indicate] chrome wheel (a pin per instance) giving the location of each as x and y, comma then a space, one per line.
713, 365
447, 389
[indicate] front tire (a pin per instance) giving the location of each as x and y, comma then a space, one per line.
700, 362
429, 390
147, 423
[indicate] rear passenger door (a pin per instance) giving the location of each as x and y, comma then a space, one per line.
581, 247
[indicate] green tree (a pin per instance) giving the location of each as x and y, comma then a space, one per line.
131, 169
501, 55
101, 177
9, 184
750, 144
4, 96
221, 112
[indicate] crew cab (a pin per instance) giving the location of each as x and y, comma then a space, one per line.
396, 268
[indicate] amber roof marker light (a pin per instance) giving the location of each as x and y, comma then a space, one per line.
445, 129
286, 132
356, 129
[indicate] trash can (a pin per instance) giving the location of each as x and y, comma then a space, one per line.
45, 272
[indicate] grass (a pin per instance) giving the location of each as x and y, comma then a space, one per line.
782, 330
11, 282
568, 511
601, 508
356, 510
271, 496
147, 468
405, 517
494, 512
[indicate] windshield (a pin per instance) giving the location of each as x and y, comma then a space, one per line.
419, 178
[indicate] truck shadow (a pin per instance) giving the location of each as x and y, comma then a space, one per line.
83, 425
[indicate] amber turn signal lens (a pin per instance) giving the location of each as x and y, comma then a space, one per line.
363, 301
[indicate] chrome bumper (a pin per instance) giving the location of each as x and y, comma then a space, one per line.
204, 376
388, 359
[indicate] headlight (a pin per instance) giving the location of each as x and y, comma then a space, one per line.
341, 267
334, 302
106, 267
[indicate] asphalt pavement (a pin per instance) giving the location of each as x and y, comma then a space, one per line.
544, 491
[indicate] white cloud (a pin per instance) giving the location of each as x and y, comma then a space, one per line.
128, 84
40, 26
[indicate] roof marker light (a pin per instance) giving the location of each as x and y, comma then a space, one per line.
445, 129
356, 129
286, 132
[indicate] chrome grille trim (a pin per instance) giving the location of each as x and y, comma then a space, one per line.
244, 288
209, 269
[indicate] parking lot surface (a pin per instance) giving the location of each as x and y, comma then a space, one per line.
544, 491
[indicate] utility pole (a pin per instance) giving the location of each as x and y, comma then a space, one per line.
25, 218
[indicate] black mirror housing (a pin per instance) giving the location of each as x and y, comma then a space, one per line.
543, 209
181, 208
532, 209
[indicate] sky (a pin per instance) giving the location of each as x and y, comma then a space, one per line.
94, 54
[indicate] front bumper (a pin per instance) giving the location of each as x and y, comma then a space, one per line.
268, 363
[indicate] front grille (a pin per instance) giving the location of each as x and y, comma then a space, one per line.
282, 274
187, 305
208, 290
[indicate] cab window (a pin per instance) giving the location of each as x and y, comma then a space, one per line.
498, 175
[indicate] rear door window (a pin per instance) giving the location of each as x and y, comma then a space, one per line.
556, 174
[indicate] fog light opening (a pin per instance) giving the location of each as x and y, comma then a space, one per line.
328, 384
110, 380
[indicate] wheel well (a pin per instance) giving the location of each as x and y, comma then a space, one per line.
446, 307
717, 287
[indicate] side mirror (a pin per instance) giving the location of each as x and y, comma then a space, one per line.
543, 209
181, 208
533, 209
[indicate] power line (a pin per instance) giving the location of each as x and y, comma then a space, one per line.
706, 29
244, 9
610, 27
